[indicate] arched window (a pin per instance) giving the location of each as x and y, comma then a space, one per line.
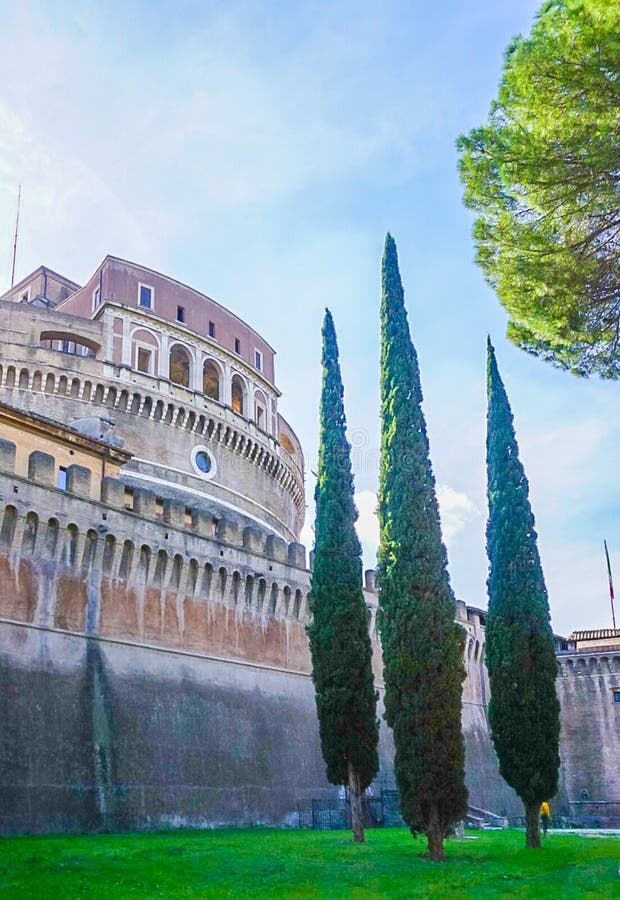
211, 380
237, 395
260, 410
287, 444
180, 366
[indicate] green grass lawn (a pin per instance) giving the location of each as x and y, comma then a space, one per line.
272, 863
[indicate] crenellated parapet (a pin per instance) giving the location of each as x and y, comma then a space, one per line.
588, 688
602, 663
131, 566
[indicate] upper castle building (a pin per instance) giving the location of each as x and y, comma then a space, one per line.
190, 387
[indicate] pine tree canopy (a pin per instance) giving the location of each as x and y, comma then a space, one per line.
543, 176
339, 639
524, 709
422, 644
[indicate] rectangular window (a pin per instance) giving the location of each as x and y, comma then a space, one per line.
145, 296
25, 296
144, 360
260, 416
212, 329
258, 360
180, 313
237, 345
616, 696
96, 298
61, 480
64, 346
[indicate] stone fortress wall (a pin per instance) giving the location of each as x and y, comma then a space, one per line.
153, 658
589, 692
157, 669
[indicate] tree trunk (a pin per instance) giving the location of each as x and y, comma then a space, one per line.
355, 799
532, 825
434, 836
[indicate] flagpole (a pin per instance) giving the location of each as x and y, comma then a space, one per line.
611, 585
19, 197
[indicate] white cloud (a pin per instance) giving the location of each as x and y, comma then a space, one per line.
456, 511
367, 524
68, 209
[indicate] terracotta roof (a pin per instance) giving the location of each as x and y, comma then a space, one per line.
597, 635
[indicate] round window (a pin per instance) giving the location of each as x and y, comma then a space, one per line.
203, 462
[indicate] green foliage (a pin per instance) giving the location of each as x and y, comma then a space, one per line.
422, 644
524, 711
543, 175
307, 865
339, 640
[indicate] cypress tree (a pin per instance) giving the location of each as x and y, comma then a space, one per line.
524, 711
339, 640
422, 644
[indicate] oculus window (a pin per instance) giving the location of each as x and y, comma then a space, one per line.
203, 462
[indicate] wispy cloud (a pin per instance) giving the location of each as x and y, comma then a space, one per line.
456, 511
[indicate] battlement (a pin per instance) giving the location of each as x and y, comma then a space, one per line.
73, 564
591, 663
162, 518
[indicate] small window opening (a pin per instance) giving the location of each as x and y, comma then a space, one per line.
96, 298
237, 345
146, 296
616, 696
237, 396
179, 371
258, 360
61, 479
144, 360
212, 329
180, 313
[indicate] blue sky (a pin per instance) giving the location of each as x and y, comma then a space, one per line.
259, 151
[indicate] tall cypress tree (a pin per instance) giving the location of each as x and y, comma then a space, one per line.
524, 711
346, 700
422, 643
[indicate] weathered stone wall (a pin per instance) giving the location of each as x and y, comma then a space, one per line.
156, 674
590, 741
104, 735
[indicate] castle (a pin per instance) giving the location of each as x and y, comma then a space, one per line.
154, 666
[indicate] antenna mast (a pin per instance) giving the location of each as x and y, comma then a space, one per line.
611, 585
19, 197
